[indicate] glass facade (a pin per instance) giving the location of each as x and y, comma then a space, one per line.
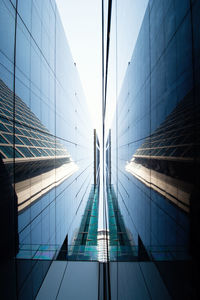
70, 227
155, 141
46, 139
158, 127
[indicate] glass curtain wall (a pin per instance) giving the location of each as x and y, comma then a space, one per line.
147, 206
46, 138
155, 134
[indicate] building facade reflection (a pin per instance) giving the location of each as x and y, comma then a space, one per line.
49, 158
46, 139
155, 144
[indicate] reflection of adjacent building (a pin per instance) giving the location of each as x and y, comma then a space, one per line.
121, 244
156, 133
85, 240
112, 244
142, 221
165, 160
43, 118
36, 152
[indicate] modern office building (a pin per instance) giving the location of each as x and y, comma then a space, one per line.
51, 187
46, 142
158, 126
155, 140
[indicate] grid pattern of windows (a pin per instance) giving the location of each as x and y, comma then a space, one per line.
175, 137
32, 139
45, 131
156, 127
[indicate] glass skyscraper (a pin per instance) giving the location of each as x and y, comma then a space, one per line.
46, 138
155, 142
51, 183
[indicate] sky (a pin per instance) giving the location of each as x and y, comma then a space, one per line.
82, 23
